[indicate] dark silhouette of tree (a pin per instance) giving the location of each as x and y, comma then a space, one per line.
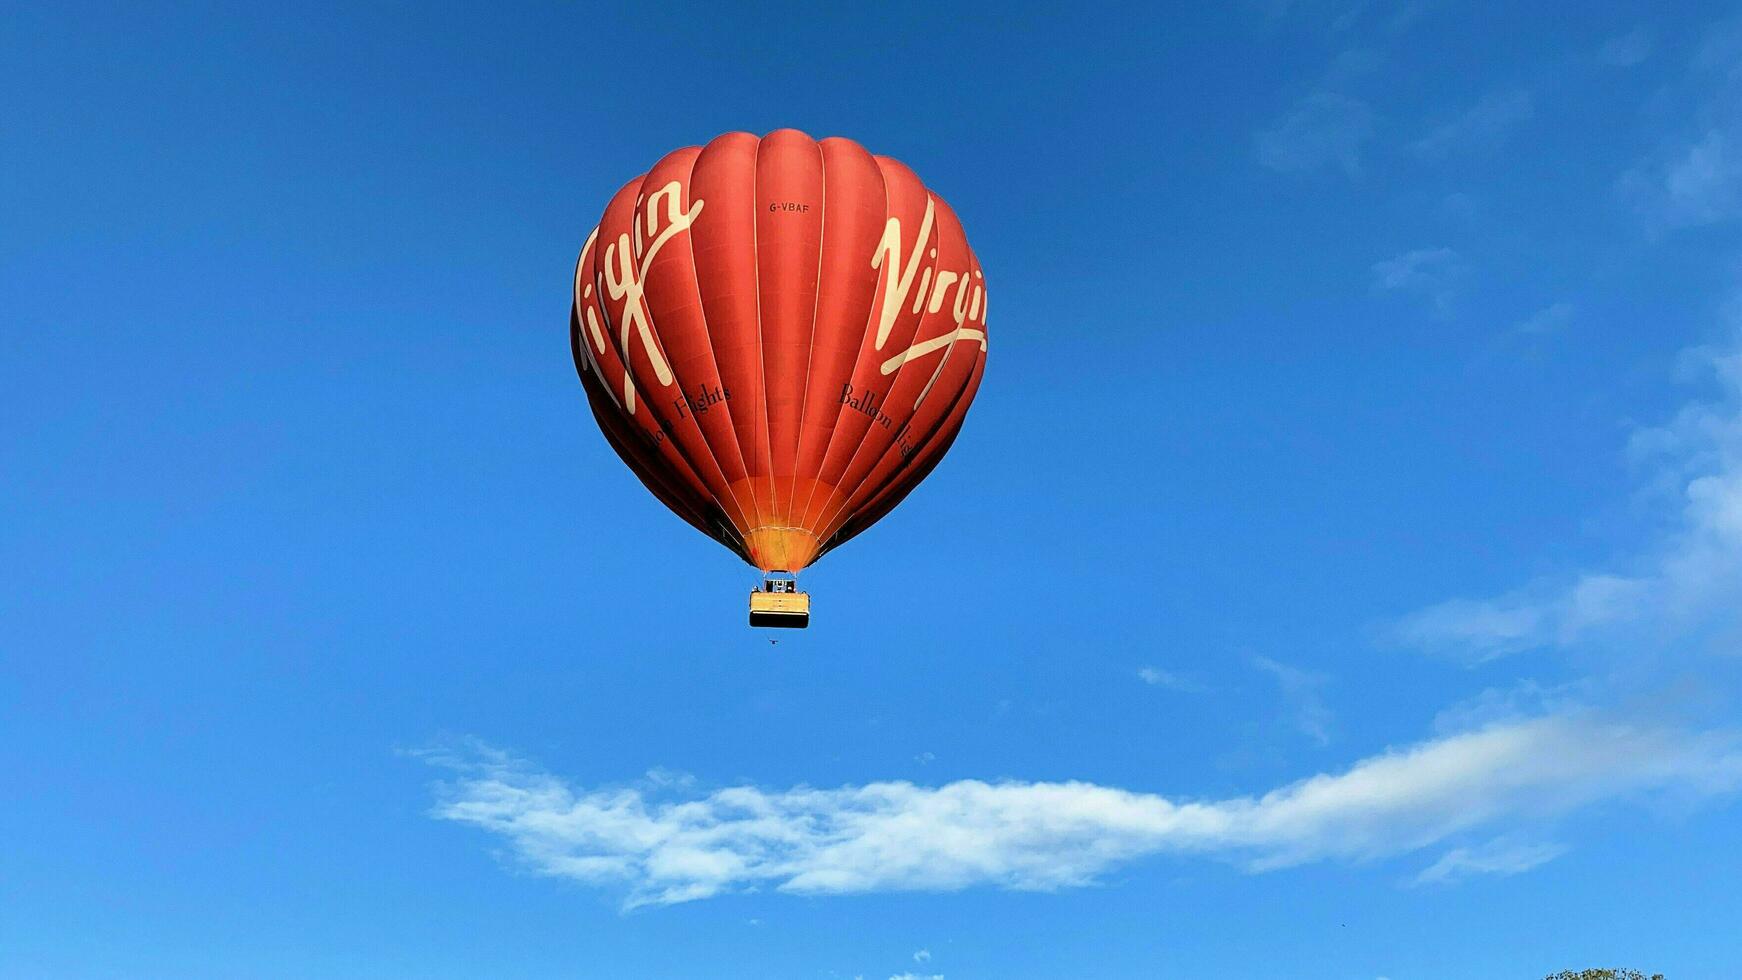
1602, 975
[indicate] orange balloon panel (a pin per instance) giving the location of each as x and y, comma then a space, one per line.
780, 336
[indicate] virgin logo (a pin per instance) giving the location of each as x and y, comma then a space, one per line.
626, 265
896, 285
627, 260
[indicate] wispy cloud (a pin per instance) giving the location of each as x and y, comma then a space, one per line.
1350, 65
663, 844
1701, 183
1324, 130
1550, 319
1536, 616
1691, 581
1339, 16
1481, 128
1696, 178
1433, 273
1510, 704
1501, 856
1156, 677
1626, 50
1307, 710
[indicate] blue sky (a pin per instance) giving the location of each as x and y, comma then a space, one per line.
1337, 576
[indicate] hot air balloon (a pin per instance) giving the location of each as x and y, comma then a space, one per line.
780, 337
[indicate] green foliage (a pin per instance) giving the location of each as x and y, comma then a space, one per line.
1602, 975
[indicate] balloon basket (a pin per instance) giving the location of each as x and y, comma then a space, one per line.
779, 604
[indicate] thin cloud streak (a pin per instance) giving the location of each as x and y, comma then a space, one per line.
1307, 710
1324, 130
1434, 273
1626, 50
1482, 128
658, 845
1696, 179
1690, 583
1502, 856
1156, 677
1550, 319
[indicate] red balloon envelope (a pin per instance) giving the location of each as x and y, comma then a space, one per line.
780, 336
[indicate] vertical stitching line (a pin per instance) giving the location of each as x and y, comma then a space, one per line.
792, 517
925, 311
708, 335
894, 480
611, 337
864, 336
761, 357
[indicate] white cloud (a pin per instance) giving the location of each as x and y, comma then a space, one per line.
1483, 127
1307, 709
1703, 184
1339, 16
1351, 64
1156, 677
1626, 50
1696, 178
1510, 704
1323, 130
1550, 319
1689, 584
667, 844
916, 976
1478, 630
1434, 273
921, 955
1501, 856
